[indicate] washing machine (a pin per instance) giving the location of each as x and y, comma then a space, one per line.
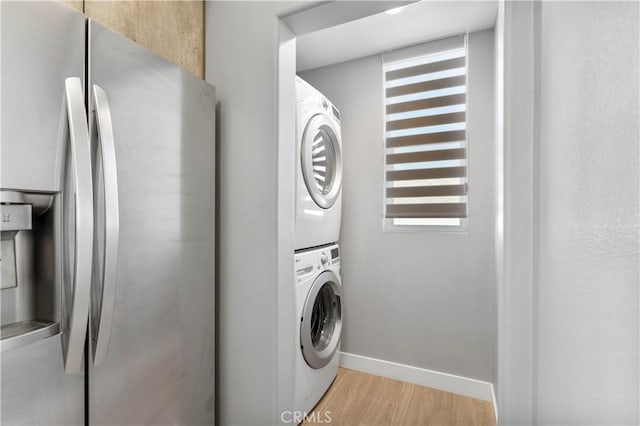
319, 168
318, 295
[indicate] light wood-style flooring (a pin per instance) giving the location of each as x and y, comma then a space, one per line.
357, 398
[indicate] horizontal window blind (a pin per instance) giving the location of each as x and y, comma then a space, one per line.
426, 137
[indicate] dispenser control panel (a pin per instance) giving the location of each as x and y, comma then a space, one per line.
15, 217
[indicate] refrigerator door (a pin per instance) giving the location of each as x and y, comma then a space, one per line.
157, 366
43, 43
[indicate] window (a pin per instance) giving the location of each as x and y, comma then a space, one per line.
426, 136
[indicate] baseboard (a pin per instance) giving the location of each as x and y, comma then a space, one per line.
419, 376
494, 401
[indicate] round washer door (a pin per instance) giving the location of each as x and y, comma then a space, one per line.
321, 322
321, 160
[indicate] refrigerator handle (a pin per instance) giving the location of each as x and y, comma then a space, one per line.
81, 163
112, 225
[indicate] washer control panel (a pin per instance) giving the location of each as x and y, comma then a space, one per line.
313, 261
335, 255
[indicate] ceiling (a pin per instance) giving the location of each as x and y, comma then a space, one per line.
418, 22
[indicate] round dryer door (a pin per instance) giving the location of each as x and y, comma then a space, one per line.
322, 160
321, 322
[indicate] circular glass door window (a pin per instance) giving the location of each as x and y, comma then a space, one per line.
321, 322
321, 161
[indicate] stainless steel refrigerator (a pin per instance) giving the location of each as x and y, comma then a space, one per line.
107, 192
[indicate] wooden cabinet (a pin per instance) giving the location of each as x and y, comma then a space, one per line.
173, 30
76, 4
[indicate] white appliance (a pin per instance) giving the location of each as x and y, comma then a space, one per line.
318, 295
107, 254
318, 168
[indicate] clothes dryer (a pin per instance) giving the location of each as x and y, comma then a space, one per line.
318, 168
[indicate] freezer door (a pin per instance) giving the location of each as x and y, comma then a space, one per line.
42, 44
35, 388
158, 367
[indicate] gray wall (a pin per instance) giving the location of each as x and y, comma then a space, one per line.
425, 299
242, 54
587, 296
498, 75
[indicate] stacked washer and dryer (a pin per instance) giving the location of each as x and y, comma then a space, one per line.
318, 290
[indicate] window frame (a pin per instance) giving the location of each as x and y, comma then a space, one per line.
388, 224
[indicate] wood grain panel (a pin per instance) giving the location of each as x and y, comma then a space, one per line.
357, 398
173, 30
76, 4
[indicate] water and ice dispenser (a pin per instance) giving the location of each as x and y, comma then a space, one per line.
15, 218
29, 281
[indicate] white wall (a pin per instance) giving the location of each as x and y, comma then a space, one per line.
516, 265
569, 340
587, 324
242, 57
426, 299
